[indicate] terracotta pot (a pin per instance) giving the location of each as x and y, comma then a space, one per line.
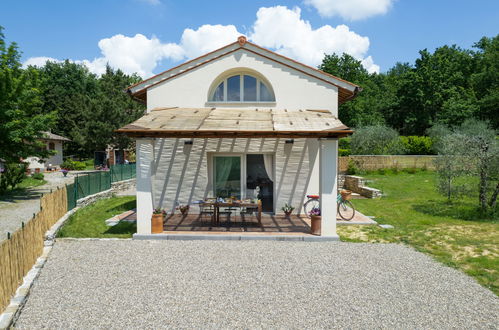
315, 225
287, 214
157, 223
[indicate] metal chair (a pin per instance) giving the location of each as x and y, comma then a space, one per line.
206, 209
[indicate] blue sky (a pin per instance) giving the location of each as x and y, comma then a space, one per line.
149, 36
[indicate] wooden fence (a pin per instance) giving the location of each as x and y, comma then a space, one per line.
376, 162
19, 253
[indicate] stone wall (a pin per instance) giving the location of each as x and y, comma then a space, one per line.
375, 162
357, 184
115, 187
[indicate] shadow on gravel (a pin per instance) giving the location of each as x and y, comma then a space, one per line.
18, 195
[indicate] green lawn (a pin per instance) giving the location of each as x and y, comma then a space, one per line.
89, 164
30, 182
89, 221
455, 233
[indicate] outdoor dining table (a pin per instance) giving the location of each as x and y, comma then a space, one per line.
217, 205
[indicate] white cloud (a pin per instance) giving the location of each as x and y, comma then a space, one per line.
131, 54
207, 38
368, 63
278, 28
351, 9
39, 61
284, 30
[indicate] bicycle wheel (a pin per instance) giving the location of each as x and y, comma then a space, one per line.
346, 210
309, 205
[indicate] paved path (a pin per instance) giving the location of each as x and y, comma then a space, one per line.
20, 207
224, 284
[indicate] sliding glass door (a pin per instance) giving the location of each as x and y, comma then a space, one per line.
260, 179
227, 173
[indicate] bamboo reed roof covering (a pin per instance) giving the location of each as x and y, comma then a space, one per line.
224, 122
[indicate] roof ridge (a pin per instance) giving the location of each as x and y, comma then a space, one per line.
240, 46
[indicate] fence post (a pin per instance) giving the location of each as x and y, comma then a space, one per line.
75, 188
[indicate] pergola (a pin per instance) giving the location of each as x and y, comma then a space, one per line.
191, 123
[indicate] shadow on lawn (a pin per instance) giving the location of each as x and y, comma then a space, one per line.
459, 210
122, 228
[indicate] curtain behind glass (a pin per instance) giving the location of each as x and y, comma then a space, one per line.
228, 176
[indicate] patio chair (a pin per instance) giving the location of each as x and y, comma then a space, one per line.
227, 212
248, 211
206, 209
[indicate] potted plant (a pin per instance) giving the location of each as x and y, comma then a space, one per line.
287, 209
315, 221
157, 219
183, 208
64, 172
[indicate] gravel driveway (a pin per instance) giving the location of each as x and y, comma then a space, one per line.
251, 284
21, 207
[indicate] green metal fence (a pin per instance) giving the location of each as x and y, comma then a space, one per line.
70, 190
94, 182
122, 172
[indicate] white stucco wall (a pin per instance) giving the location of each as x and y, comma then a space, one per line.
55, 160
182, 172
293, 90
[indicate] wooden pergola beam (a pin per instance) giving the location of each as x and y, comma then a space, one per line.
234, 134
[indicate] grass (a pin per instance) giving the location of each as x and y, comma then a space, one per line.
30, 182
89, 164
89, 221
455, 233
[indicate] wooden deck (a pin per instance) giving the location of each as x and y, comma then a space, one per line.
238, 224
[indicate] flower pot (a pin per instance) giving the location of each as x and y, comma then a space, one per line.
315, 225
157, 223
184, 213
287, 214
65, 173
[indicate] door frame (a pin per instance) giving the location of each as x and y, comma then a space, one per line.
211, 174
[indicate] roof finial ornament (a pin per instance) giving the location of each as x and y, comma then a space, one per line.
241, 40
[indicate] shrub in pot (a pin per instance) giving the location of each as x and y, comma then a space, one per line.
157, 220
287, 209
315, 221
183, 208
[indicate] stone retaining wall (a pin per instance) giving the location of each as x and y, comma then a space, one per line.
375, 162
357, 185
115, 187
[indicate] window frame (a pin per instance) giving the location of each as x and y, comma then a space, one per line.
241, 89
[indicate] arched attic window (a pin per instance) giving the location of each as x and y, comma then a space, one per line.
242, 88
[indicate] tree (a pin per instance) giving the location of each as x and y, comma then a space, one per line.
69, 90
485, 79
376, 140
367, 108
21, 124
469, 150
89, 108
112, 109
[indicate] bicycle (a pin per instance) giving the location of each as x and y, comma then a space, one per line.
345, 208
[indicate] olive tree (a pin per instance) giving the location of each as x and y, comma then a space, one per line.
471, 149
376, 140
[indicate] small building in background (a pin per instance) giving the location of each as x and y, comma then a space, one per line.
52, 142
112, 156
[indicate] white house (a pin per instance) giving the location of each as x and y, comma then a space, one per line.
236, 118
52, 142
